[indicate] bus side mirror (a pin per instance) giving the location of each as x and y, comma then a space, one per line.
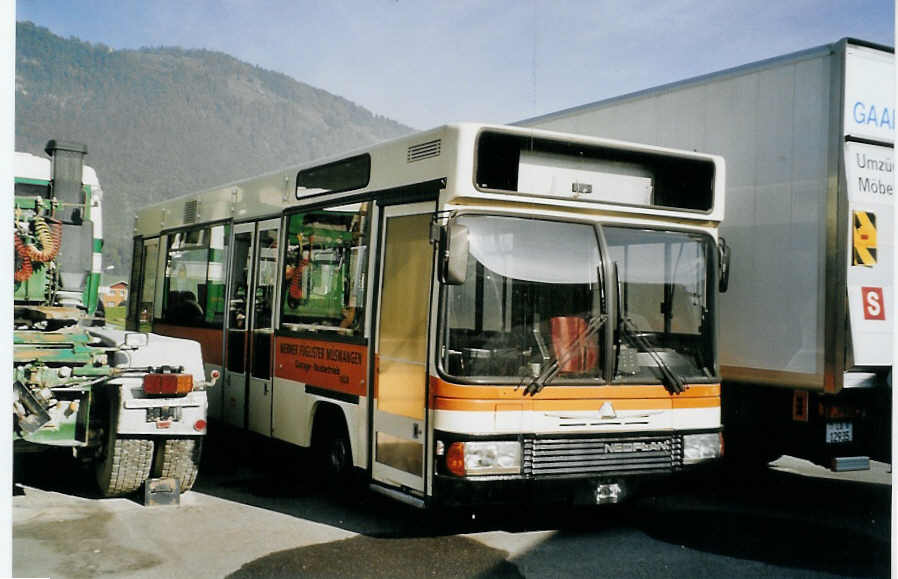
723, 266
454, 254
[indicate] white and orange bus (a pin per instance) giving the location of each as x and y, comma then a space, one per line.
470, 314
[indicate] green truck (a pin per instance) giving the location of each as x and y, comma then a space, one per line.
133, 404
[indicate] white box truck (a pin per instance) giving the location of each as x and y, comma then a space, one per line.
806, 328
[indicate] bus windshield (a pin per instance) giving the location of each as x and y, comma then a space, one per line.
534, 296
531, 290
664, 303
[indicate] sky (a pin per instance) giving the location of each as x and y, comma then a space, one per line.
425, 63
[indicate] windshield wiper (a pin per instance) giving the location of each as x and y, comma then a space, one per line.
671, 381
550, 370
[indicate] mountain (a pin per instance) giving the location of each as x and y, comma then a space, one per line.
162, 122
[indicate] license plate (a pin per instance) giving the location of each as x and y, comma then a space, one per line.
839, 432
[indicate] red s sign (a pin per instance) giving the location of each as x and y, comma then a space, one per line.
873, 303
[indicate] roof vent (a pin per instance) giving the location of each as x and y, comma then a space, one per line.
190, 211
424, 151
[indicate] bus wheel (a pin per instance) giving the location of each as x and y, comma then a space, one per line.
178, 458
334, 454
125, 465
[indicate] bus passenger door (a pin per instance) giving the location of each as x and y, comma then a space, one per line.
239, 308
261, 329
400, 369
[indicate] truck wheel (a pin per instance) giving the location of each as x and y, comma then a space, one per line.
178, 458
125, 466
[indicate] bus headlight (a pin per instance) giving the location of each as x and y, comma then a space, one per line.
484, 458
701, 447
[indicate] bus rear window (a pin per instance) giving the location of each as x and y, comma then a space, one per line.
569, 170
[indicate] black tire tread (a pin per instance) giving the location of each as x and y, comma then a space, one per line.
179, 458
126, 466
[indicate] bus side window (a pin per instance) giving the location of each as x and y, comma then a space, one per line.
194, 277
325, 270
214, 291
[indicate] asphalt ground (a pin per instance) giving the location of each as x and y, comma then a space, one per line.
256, 511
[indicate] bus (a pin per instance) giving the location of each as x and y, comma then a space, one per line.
468, 315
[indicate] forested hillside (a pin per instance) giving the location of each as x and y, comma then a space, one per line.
161, 122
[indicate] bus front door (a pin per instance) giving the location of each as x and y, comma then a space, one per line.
400, 369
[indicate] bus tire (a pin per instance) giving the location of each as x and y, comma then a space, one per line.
332, 448
125, 465
178, 458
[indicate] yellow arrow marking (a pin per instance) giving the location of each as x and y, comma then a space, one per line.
864, 238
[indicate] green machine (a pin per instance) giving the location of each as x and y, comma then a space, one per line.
133, 404
55, 237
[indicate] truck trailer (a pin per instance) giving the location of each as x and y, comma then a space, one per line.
806, 328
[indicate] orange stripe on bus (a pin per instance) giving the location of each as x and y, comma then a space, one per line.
709, 402
442, 389
210, 339
592, 404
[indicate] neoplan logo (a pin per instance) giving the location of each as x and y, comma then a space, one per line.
650, 446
